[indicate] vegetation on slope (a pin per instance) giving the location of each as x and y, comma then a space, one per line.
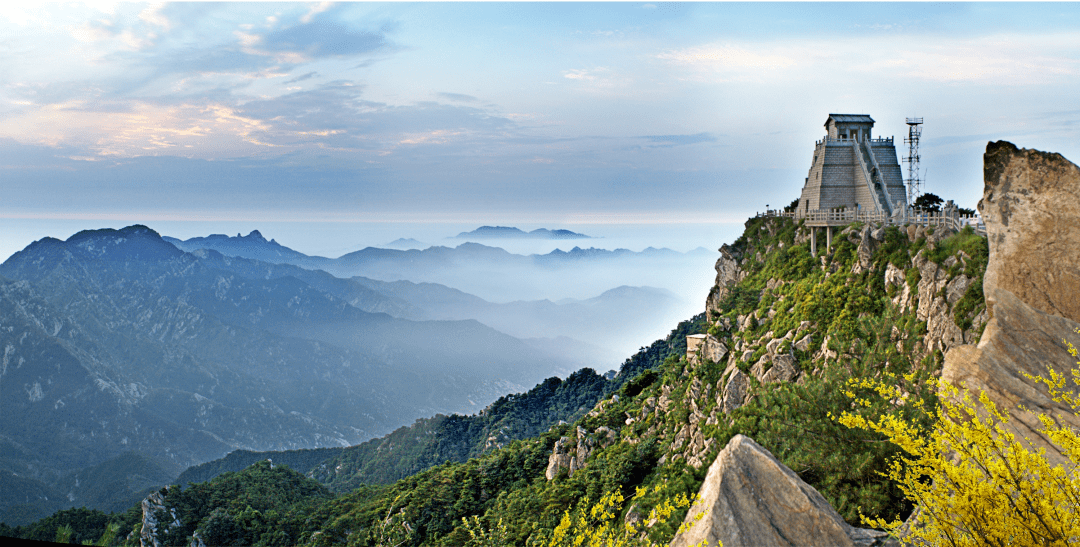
456, 438
661, 426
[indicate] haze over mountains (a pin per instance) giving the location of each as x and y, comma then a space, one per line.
492, 273
124, 355
509, 232
117, 341
533, 296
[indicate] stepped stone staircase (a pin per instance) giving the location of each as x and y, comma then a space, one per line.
872, 175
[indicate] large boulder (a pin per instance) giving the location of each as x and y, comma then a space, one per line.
750, 499
1032, 287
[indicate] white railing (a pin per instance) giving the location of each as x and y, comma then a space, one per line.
847, 141
908, 216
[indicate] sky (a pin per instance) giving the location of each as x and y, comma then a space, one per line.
335, 126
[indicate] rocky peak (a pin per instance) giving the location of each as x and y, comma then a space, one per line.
1030, 208
1031, 286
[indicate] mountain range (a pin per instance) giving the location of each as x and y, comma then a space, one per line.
127, 354
495, 275
506, 232
115, 341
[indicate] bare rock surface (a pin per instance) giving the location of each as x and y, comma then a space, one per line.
1018, 339
735, 391
157, 520
1032, 287
1032, 217
728, 274
560, 457
714, 350
750, 499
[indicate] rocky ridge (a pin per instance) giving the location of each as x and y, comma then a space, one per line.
1030, 283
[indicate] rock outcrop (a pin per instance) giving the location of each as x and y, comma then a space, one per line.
1018, 340
572, 455
728, 274
704, 346
157, 520
750, 499
1032, 284
1031, 212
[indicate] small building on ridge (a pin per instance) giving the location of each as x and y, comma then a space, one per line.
853, 171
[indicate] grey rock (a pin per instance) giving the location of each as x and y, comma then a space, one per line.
773, 345
865, 251
728, 274
735, 392
560, 457
804, 343
157, 520
956, 288
759, 368
750, 499
713, 350
894, 276
783, 370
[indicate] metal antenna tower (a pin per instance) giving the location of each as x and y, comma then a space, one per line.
912, 159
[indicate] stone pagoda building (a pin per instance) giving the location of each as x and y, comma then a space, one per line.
853, 171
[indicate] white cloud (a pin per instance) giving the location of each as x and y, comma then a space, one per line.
599, 79
90, 33
579, 75
1000, 60
997, 60
152, 15
315, 10
720, 57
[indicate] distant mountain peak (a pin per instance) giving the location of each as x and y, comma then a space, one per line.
406, 244
253, 246
510, 232
130, 231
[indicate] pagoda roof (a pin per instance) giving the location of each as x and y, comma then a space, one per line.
849, 118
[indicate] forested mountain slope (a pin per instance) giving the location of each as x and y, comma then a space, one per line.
785, 331
115, 341
433, 441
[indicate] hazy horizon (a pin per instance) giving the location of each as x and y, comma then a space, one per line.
334, 239
309, 121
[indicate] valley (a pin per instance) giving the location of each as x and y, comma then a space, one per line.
119, 345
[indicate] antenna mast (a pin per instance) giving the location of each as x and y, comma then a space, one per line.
912, 159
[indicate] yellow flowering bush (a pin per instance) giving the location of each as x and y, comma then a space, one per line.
974, 482
598, 525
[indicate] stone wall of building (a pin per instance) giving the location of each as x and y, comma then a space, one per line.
836, 178
891, 171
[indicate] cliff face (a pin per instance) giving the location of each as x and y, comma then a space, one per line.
1031, 211
1032, 285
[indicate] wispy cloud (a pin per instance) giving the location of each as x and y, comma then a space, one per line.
995, 59
458, 97
302, 77
321, 39
676, 140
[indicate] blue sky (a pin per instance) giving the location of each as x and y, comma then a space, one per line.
554, 114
